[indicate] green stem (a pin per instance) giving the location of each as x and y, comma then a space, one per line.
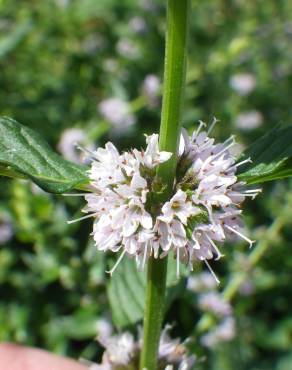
173, 93
174, 83
154, 311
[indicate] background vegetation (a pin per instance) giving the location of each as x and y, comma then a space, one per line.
61, 61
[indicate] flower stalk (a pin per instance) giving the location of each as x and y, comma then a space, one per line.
173, 94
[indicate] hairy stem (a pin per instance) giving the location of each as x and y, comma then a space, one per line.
173, 92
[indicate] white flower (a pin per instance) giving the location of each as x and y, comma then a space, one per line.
67, 144
127, 49
122, 351
119, 196
173, 234
202, 213
249, 120
224, 332
178, 207
148, 5
201, 282
151, 87
215, 188
6, 229
175, 352
138, 24
210, 300
213, 302
151, 157
243, 83
117, 112
104, 329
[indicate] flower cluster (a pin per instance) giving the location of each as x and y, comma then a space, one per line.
6, 229
212, 302
117, 112
123, 351
224, 332
202, 212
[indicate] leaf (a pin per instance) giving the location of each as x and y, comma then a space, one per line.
81, 325
24, 154
271, 157
14, 38
126, 291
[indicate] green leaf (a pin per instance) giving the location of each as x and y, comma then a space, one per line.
24, 154
81, 325
271, 157
127, 287
14, 38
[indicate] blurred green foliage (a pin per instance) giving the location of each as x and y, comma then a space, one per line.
59, 60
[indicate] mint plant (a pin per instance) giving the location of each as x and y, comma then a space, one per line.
181, 194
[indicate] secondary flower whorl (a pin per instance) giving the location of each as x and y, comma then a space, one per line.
122, 351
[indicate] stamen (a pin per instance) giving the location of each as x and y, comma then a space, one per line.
144, 256
243, 194
219, 254
248, 160
236, 165
231, 139
230, 214
253, 191
251, 242
212, 272
214, 156
111, 271
202, 124
224, 149
87, 152
82, 218
240, 183
216, 169
215, 120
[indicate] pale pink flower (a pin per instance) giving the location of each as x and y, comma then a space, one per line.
202, 213
117, 112
123, 351
178, 208
243, 83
